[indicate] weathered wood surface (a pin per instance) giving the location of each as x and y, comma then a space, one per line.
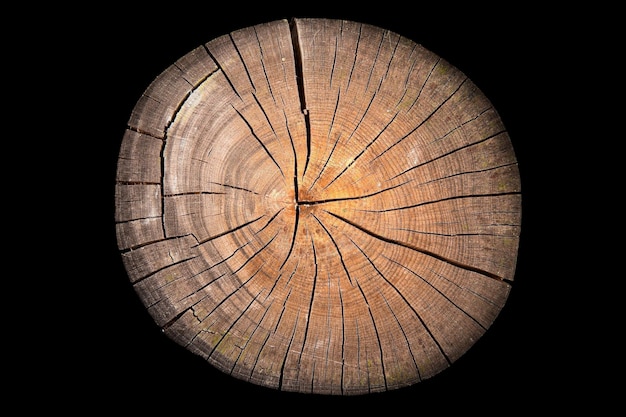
319, 206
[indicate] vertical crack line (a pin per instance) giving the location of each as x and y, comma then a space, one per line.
343, 335
219, 66
329, 322
313, 377
282, 367
356, 55
293, 238
358, 352
166, 129
332, 69
293, 273
345, 268
330, 155
373, 64
162, 184
271, 291
307, 121
295, 160
408, 76
406, 338
422, 122
267, 119
380, 345
310, 312
298, 60
297, 52
424, 85
259, 140
393, 54
269, 84
243, 62
270, 332
282, 312
403, 299
332, 121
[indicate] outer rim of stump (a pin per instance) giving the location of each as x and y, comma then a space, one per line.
146, 194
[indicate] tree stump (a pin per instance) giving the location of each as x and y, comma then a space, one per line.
319, 206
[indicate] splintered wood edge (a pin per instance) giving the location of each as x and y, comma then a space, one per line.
319, 206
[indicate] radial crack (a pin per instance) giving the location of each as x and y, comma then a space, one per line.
448, 154
234, 229
219, 66
424, 85
295, 159
259, 140
459, 197
422, 122
282, 367
297, 52
358, 197
267, 78
227, 332
438, 291
293, 239
330, 129
234, 187
343, 336
243, 62
312, 299
416, 249
380, 345
345, 268
255, 254
362, 151
406, 338
267, 119
380, 274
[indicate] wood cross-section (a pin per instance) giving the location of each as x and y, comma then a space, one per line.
319, 206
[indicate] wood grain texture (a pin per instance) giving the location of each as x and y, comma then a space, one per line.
319, 206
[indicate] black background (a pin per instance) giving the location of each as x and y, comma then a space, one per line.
116, 358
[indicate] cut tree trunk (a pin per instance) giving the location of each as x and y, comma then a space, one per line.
319, 206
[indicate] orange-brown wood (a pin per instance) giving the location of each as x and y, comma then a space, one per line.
319, 206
